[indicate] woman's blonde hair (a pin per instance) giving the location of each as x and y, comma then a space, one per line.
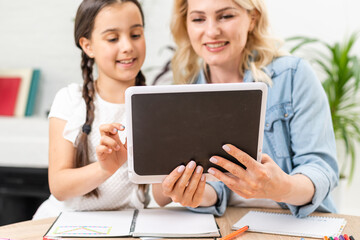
261, 48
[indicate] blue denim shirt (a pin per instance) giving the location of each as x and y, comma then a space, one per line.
298, 133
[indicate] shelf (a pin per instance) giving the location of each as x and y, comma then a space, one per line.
24, 142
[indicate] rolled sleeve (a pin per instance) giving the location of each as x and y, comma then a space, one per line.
322, 190
313, 140
223, 194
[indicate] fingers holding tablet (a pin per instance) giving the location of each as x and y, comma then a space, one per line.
185, 185
194, 192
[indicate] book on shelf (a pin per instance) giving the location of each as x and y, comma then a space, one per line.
9, 88
26, 92
32, 93
134, 223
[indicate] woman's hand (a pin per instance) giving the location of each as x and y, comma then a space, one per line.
111, 153
261, 180
184, 185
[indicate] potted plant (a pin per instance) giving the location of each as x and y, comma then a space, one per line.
340, 69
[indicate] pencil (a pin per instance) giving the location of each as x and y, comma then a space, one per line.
236, 233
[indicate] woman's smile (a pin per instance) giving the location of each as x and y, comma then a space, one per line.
216, 46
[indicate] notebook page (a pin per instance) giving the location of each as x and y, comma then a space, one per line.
286, 224
174, 223
92, 224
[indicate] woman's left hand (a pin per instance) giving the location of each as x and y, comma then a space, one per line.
185, 185
258, 180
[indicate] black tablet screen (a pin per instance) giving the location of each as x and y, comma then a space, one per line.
170, 129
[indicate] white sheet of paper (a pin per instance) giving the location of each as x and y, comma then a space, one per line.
174, 223
92, 224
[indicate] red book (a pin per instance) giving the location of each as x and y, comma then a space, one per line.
9, 88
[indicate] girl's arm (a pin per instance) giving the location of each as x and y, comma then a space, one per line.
65, 180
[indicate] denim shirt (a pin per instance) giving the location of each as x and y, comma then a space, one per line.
298, 134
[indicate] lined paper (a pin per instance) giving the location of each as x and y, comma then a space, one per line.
287, 224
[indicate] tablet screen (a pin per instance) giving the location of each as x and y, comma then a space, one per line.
170, 129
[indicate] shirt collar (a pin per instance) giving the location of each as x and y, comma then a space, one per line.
247, 76
202, 80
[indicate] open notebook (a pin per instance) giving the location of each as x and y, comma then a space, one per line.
286, 224
136, 223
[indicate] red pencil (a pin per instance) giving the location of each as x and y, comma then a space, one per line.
235, 234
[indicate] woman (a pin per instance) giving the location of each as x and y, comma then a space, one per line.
222, 41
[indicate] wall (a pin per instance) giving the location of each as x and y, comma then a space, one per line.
39, 34
328, 20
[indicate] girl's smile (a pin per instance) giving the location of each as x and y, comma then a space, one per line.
126, 63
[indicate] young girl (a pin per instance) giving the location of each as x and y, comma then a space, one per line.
87, 159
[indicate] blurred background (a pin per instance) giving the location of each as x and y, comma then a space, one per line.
38, 34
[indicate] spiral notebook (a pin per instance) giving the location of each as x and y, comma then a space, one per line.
287, 224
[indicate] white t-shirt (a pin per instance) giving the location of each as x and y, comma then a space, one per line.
117, 192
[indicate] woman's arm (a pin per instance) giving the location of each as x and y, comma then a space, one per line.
312, 139
262, 180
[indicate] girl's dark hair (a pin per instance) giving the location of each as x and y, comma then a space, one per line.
84, 25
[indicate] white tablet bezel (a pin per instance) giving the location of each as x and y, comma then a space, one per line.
139, 179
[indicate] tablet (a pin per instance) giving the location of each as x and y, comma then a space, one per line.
167, 126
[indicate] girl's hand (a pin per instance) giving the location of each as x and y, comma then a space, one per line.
111, 153
185, 185
259, 180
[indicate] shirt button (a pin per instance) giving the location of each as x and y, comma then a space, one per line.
267, 124
286, 115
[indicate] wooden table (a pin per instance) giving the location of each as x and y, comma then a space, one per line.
34, 230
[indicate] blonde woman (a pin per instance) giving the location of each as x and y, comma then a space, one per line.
222, 41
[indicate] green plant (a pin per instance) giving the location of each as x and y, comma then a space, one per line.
341, 70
